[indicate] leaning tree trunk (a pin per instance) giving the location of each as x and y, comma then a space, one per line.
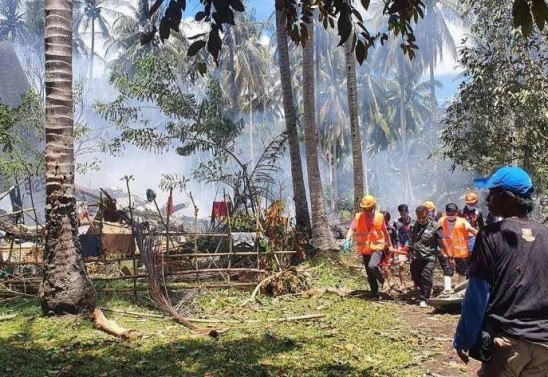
92, 46
302, 216
409, 197
352, 93
322, 238
66, 287
431, 57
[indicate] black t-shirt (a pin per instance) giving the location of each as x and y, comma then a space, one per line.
424, 240
393, 234
474, 216
512, 256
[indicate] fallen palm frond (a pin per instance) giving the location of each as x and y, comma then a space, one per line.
154, 262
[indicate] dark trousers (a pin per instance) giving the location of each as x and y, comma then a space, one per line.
422, 273
373, 271
445, 266
461, 266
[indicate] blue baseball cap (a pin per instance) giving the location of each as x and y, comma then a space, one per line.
509, 178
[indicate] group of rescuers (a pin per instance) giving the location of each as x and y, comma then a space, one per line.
504, 314
445, 237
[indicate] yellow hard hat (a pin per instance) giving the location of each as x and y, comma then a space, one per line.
471, 198
430, 205
368, 201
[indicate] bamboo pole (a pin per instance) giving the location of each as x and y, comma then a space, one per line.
127, 179
175, 287
219, 320
174, 256
180, 273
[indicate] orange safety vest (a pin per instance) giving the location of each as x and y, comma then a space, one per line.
369, 237
457, 241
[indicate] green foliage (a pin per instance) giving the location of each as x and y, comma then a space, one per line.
500, 115
186, 124
22, 135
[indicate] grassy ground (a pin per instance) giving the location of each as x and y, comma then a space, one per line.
357, 337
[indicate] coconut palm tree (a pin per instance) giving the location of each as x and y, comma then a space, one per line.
332, 107
352, 94
434, 37
302, 216
66, 287
406, 74
93, 14
248, 68
322, 238
12, 21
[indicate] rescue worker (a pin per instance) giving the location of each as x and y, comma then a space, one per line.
431, 209
403, 225
387, 254
473, 215
456, 232
446, 268
371, 237
426, 235
504, 320
471, 212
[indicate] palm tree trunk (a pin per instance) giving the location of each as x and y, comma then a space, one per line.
432, 49
232, 69
405, 146
251, 132
352, 93
66, 287
92, 47
322, 238
433, 101
302, 216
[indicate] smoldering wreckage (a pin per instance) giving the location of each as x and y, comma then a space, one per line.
125, 237
158, 249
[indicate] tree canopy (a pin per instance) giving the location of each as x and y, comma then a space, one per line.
345, 16
500, 115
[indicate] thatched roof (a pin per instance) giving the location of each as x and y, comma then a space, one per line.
13, 82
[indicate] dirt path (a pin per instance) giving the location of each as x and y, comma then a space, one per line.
437, 329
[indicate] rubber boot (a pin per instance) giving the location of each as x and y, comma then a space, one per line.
447, 285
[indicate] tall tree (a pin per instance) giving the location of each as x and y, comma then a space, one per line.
66, 287
93, 14
500, 115
12, 21
435, 37
322, 238
406, 74
352, 94
299, 192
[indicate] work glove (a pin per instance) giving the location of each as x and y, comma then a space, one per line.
346, 246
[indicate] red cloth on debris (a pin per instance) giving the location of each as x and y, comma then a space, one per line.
221, 209
170, 207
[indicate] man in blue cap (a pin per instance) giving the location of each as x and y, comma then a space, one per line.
504, 318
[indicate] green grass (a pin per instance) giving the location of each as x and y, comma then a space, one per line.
356, 338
